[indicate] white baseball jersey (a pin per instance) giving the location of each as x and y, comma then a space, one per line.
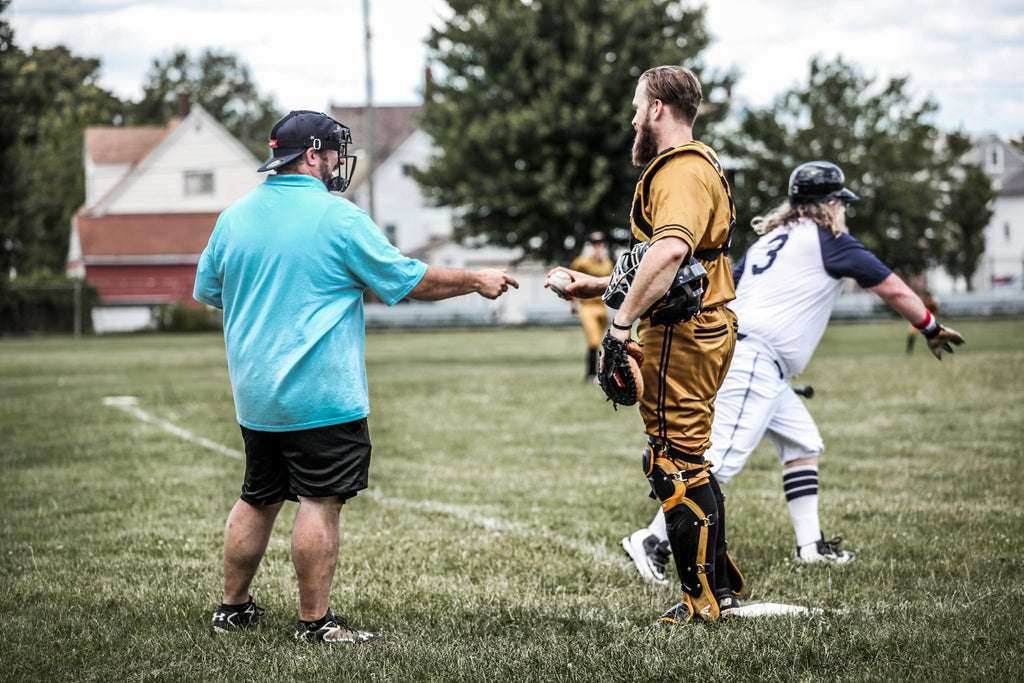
787, 284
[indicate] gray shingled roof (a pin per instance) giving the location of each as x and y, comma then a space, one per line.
392, 126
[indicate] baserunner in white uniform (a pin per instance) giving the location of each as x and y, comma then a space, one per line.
786, 286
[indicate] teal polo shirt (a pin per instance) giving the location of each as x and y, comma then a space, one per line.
288, 263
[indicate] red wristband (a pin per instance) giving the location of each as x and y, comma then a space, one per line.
929, 323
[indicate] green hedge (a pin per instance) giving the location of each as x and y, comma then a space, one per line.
180, 317
45, 306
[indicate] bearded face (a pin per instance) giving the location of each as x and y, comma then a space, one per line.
324, 168
645, 145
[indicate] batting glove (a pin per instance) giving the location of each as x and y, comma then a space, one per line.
940, 338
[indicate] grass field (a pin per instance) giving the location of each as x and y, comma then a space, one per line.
485, 548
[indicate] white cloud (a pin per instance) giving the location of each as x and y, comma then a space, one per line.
962, 54
309, 53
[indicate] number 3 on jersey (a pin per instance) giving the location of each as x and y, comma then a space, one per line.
778, 243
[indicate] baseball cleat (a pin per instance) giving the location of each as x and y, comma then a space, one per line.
727, 602
227, 618
332, 630
824, 551
648, 554
680, 613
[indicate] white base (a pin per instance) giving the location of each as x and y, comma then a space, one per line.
767, 609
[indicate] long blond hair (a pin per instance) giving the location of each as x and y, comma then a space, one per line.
830, 214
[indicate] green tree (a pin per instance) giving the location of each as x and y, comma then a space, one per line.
11, 180
967, 213
220, 84
894, 158
49, 97
530, 113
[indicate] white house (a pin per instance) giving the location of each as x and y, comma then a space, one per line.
1004, 237
153, 195
1003, 260
425, 232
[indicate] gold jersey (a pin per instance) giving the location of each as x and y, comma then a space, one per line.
683, 193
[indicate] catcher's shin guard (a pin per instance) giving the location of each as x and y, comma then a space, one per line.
680, 481
727, 574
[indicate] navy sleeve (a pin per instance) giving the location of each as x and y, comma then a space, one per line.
737, 270
844, 256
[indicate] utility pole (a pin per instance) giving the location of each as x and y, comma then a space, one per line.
371, 139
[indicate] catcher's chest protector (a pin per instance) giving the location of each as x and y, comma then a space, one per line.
640, 220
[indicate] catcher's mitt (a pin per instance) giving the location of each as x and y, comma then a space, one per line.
619, 373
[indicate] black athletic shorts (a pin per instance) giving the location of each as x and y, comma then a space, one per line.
313, 463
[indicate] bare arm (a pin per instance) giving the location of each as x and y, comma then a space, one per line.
653, 278
443, 283
583, 286
895, 292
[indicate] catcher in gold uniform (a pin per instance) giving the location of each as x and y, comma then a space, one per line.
593, 312
682, 217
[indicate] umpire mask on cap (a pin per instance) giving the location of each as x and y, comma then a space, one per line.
304, 129
339, 139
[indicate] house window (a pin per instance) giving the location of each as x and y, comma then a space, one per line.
407, 169
994, 159
198, 182
391, 232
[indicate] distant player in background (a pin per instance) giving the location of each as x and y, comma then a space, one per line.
593, 312
786, 287
932, 304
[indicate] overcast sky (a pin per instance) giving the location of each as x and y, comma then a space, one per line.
966, 55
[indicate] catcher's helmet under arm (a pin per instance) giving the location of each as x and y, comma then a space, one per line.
683, 300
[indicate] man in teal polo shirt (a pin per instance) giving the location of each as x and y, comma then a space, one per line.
288, 263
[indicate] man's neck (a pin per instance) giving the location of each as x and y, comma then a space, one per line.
675, 135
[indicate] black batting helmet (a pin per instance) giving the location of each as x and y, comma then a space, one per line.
818, 181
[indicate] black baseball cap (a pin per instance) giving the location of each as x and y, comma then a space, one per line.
298, 131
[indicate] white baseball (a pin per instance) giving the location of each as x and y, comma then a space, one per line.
558, 281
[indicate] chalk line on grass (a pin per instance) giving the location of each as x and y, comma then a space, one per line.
472, 514
130, 405
469, 513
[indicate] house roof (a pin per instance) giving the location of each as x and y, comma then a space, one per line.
124, 237
1008, 175
1013, 184
424, 252
124, 145
392, 125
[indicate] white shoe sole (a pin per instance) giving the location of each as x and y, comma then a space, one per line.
844, 557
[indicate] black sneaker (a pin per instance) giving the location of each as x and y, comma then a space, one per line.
227, 618
727, 602
332, 630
